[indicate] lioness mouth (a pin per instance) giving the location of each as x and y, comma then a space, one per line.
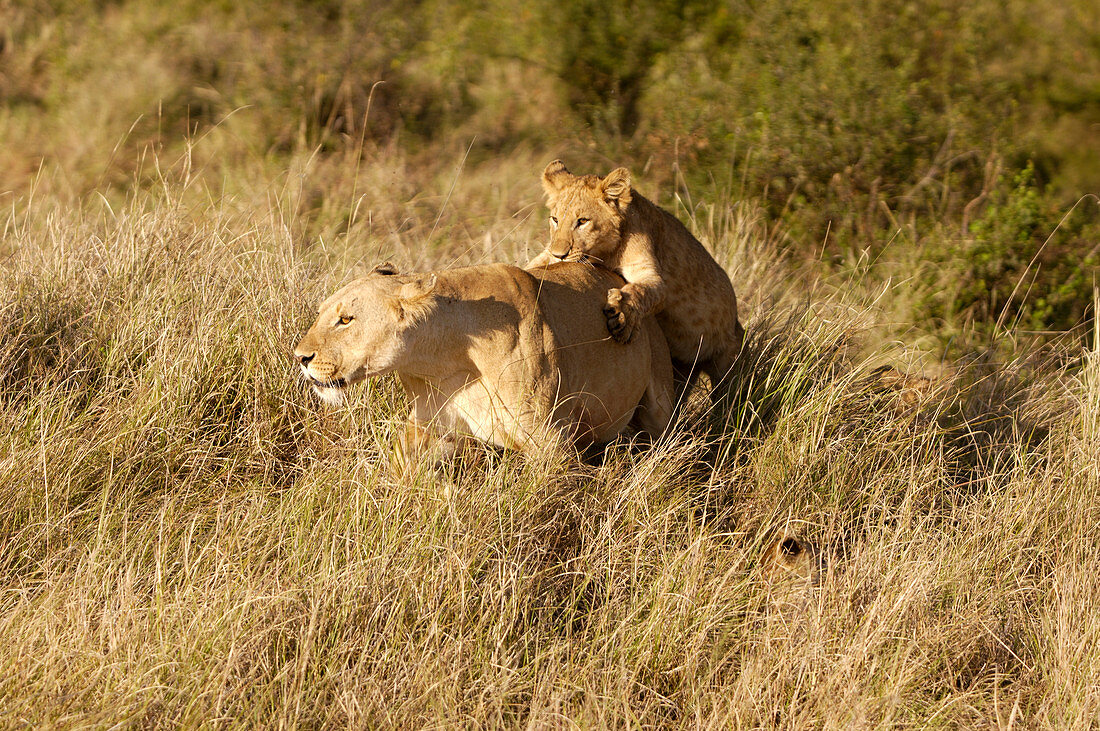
319, 383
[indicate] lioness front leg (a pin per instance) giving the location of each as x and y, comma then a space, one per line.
411, 446
442, 451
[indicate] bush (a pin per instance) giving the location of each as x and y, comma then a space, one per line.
1029, 263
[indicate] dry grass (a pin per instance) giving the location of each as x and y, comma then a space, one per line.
189, 540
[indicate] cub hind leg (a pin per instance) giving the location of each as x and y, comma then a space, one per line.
720, 371
719, 367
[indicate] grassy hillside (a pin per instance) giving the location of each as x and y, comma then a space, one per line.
188, 539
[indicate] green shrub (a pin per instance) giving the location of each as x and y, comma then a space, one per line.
1030, 262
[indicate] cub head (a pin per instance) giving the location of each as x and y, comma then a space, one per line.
790, 557
586, 212
363, 330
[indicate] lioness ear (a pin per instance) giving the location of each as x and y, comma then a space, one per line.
385, 268
419, 286
554, 177
616, 187
413, 301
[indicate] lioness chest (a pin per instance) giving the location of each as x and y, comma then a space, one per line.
475, 406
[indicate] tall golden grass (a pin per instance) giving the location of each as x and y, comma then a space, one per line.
189, 539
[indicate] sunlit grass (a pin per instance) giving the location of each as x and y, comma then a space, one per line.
190, 539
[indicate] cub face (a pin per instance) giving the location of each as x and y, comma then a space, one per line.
363, 330
586, 212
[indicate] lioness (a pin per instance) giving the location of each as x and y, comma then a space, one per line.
495, 353
667, 270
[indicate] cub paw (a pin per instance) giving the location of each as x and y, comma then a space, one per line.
622, 322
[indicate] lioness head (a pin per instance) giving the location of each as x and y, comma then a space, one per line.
586, 211
363, 330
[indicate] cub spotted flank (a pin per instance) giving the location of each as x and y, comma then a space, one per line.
667, 271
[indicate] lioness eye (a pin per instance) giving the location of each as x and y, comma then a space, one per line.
582, 221
345, 319
553, 221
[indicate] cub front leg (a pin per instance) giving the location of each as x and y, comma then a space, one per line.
622, 318
643, 294
627, 306
541, 261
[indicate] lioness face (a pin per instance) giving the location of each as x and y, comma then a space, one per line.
361, 331
586, 212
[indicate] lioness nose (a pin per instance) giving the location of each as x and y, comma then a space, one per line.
305, 359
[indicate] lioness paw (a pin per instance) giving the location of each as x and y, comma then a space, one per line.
622, 322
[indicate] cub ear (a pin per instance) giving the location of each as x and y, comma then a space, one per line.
554, 176
616, 187
385, 268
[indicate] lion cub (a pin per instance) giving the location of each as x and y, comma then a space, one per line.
667, 271
792, 569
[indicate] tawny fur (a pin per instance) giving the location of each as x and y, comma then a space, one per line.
668, 272
791, 568
494, 353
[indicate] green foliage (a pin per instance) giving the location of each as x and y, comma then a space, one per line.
1029, 263
836, 114
604, 51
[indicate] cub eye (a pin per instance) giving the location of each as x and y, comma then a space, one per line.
582, 221
345, 319
553, 221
